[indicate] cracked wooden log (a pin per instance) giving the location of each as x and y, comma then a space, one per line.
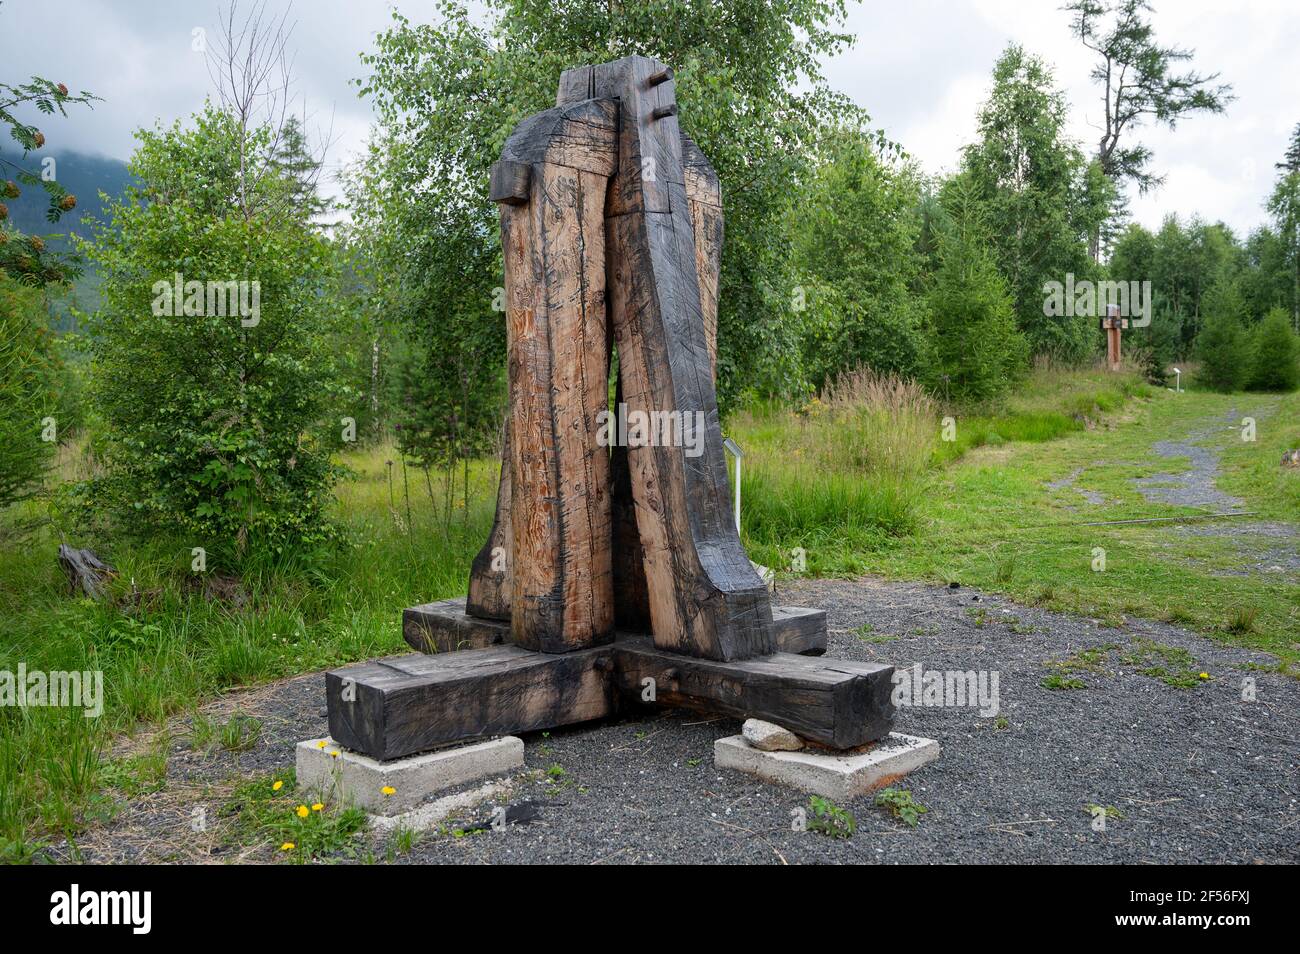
705, 597
551, 183
86, 572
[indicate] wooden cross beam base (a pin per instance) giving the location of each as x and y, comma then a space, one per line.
398, 706
447, 626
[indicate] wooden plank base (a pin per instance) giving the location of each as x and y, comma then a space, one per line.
397, 706
446, 626
401, 705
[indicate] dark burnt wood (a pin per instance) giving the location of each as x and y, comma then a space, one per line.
402, 705
447, 626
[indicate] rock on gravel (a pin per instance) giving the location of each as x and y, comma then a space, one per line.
767, 737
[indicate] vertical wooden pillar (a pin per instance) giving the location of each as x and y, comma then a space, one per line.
705, 598
551, 184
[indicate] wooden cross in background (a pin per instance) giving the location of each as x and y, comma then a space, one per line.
1113, 325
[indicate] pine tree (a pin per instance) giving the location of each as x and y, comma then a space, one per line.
1275, 358
1223, 345
1291, 158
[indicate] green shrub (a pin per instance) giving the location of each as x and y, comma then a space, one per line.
1223, 349
976, 350
1275, 357
215, 421
1223, 345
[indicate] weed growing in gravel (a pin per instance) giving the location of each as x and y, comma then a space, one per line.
139, 774
262, 813
1110, 811
1172, 665
240, 733
1057, 681
901, 805
1085, 660
401, 842
827, 818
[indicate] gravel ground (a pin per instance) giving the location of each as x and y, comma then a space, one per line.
1195, 486
1197, 775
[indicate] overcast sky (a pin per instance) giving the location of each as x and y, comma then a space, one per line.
920, 67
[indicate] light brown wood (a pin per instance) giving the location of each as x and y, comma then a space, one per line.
553, 246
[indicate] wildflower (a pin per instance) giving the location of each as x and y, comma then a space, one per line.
287, 846
320, 744
302, 811
317, 807
388, 790
277, 786
1205, 675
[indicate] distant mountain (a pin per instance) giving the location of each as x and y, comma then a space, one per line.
85, 176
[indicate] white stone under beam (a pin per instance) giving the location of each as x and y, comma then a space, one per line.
356, 779
839, 777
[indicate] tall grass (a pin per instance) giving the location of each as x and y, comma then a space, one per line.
163, 644
1052, 402
840, 475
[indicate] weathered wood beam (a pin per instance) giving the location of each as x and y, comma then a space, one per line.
448, 626
705, 597
839, 703
704, 200
552, 238
393, 707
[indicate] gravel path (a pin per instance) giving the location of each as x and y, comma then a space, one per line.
1195, 486
1197, 774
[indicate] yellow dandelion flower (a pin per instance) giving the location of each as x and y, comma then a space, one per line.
302, 811
1205, 675
388, 790
287, 846
320, 744
334, 755
277, 786
317, 807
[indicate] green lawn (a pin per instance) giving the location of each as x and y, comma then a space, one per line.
990, 520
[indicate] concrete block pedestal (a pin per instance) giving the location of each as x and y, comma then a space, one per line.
839, 777
339, 774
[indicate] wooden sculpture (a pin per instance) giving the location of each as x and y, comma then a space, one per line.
613, 574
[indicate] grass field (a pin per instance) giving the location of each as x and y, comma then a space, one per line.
861, 481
